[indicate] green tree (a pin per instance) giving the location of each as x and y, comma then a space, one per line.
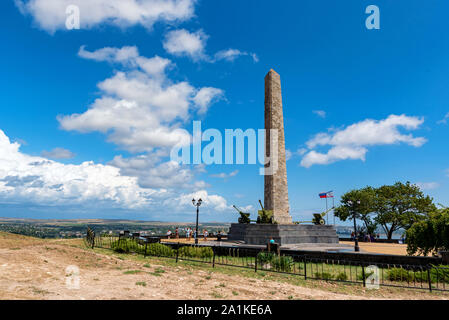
363, 210
430, 235
400, 206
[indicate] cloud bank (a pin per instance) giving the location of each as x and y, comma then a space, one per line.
34, 180
50, 15
352, 142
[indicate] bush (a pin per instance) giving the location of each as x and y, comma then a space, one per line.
283, 263
278, 263
341, 276
323, 276
159, 250
436, 275
121, 246
430, 235
399, 274
196, 252
265, 257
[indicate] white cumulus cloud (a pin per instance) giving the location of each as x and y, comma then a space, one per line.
51, 16
233, 54
42, 181
353, 141
140, 108
184, 43
39, 181
214, 202
193, 45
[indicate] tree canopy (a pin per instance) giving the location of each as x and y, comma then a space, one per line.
393, 207
430, 235
400, 206
363, 210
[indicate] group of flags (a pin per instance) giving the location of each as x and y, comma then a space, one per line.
324, 195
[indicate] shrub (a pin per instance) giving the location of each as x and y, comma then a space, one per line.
121, 246
265, 257
323, 276
430, 235
159, 250
341, 276
284, 263
436, 275
399, 274
196, 252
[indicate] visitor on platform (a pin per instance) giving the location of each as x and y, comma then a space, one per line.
188, 234
205, 233
168, 234
271, 240
177, 233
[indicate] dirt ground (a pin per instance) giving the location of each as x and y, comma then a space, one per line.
37, 269
385, 248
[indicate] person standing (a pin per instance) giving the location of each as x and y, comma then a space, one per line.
205, 235
177, 233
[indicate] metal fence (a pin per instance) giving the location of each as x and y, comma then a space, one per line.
427, 277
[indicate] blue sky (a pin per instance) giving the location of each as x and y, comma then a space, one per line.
378, 97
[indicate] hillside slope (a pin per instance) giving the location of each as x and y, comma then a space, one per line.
36, 269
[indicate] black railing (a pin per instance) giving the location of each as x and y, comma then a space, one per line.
418, 276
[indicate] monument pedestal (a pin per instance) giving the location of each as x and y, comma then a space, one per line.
260, 234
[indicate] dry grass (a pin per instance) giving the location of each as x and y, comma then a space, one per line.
38, 271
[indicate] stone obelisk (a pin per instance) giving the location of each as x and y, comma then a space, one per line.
276, 189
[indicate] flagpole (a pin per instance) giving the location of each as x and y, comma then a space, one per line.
333, 206
326, 210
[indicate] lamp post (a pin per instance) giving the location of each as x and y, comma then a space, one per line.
197, 204
356, 240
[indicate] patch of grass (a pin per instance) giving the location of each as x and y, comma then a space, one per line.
235, 293
208, 277
141, 283
222, 285
272, 292
216, 295
147, 265
14, 248
159, 270
155, 274
40, 291
132, 272
290, 298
